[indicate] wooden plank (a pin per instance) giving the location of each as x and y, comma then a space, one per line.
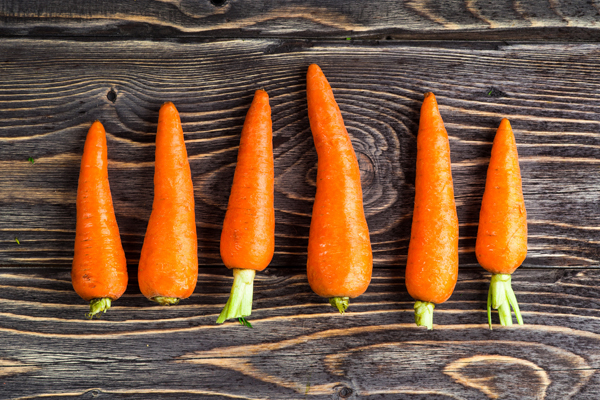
299, 347
50, 91
416, 19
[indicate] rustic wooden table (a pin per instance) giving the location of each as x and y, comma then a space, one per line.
64, 64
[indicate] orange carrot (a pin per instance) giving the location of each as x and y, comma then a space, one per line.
432, 265
99, 272
340, 260
502, 234
168, 268
248, 236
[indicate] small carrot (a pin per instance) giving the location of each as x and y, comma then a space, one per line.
248, 236
502, 234
340, 260
168, 268
432, 265
99, 272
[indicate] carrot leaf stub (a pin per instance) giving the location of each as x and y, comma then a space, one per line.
501, 297
424, 314
166, 301
239, 304
340, 303
98, 306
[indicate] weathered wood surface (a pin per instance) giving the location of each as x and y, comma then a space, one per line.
50, 91
414, 19
299, 347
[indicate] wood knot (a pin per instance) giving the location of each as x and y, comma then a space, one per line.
343, 392
367, 169
111, 95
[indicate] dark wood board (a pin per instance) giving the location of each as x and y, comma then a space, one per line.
64, 63
386, 19
50, 91
299, 347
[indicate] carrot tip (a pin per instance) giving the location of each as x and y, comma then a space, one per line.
424, 314
96, 125
166, 301
501, 297
340, 303
98, 306
239, 304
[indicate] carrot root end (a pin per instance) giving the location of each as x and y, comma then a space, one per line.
98, 306
424, 314
166, 301
340, 303
501, 297
239, 304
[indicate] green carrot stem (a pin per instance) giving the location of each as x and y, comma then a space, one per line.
340, 303
166, 301
239, 304
504, 314
424, 313
501, 297
512, 299
97, 306
489, 308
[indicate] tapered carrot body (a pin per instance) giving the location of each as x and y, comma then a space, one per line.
248, 236
502, 234
340, 260
99, 272
168, 268
432, 265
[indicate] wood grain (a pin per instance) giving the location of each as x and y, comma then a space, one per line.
65, 63
50, 91
299, 347
386, 19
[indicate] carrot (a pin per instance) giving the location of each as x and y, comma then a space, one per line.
502, 234
340, 260
99, 272
432, 265
168, 268
248, 236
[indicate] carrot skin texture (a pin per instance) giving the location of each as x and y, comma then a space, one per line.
248, 235
432, 265
99, 266
340, 259
168, 265
501, 245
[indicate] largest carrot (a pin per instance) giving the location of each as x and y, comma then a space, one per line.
432, 265
340, 259
168, 268
502, 234
99, 272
